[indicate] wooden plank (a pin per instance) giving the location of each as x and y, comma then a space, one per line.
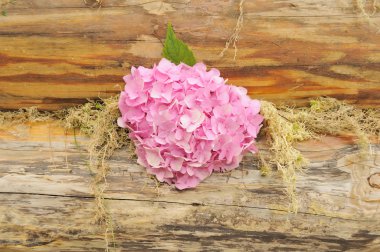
46, 223
56, 54
46, 201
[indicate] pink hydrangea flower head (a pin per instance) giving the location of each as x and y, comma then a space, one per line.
186, 122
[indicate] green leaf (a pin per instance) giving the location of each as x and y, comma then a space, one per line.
4, 13
176, 50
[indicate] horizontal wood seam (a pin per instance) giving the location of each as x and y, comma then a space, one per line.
179, 203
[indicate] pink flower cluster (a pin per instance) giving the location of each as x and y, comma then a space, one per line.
186, 122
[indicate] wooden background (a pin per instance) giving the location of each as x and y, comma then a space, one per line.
55, 54
46, 203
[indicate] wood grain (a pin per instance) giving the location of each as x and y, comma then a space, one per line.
56, 54
46, 202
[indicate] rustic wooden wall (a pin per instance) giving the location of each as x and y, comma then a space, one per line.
58, 53
46, 202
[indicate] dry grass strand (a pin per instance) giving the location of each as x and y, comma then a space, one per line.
234, 38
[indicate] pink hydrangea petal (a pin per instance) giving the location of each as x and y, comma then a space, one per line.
186, 181
215, 83
185, 121
190, 100
160, 77
196, 115
252, 130
222, 95
167, 93
165, 66
256, 120
255, 106
253, 148
176, 164
179, 134
145, 73
233, 164
153, 157
222, 128
192, 119
156, 90
121, 123
200, 67
133, 114
135, 85
162, 174
122, 106
209, 134
203, 173
190, 171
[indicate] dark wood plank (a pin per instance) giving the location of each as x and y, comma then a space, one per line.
56, 54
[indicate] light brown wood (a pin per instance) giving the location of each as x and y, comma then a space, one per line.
56, 54
46, 202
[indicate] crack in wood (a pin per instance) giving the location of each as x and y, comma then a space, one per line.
195, 204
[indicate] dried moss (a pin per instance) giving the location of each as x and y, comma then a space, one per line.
9, 119
98, 121
334, 117
281, 134
285, 126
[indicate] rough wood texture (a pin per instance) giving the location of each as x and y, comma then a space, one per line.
46, 202
59, 53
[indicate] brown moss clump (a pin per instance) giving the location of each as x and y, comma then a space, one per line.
334, 117
98, 121
11, 118
281, 134
284, 126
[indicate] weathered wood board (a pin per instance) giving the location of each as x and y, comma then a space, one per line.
54, 54
46, 202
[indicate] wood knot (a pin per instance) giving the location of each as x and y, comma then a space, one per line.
374, 180
93, 3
